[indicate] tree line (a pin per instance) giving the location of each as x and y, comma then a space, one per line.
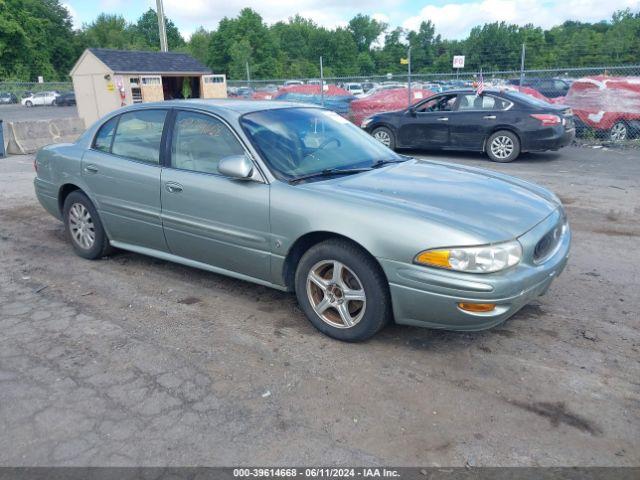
37, 38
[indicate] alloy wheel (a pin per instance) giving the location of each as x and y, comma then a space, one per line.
81, 226
383, 137
336, 294
502, 147
619, 132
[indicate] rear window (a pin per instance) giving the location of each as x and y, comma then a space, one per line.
528, 99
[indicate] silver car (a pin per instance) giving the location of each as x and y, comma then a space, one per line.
299, 199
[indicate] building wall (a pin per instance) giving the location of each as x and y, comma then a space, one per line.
95, 95
213, 86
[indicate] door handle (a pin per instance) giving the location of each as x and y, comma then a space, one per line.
91, 169
443, 119
173, 187
489, 117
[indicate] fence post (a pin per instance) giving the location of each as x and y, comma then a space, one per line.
2, 152
522, 65
321, 84
409, 76
248, 77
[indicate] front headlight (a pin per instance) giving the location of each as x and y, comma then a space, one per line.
482, 259
365, 123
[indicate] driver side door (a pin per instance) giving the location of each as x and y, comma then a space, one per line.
207, 217
426, 125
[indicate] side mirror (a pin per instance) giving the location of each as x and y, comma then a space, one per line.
236, 166
412, 111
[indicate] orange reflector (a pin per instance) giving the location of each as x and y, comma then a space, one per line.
477, 307
439, 258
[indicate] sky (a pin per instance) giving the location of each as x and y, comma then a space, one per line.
453, 18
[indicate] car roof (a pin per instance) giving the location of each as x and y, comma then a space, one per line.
226, 107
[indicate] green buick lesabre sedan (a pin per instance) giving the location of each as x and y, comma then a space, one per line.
297, 198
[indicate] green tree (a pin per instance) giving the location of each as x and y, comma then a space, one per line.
147, 37
107, 31
36, 38
365, 30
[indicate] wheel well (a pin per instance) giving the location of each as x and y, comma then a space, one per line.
304, 243
497, 129
64, 192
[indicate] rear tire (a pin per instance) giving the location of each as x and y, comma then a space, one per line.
619, 132
342, 291
83, 227
503, 146
385, 136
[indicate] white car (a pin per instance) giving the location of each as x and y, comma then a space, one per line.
42, 98
354, 88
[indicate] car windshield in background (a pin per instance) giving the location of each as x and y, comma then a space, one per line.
299, 142
524, 98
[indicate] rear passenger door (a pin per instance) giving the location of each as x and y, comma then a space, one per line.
122, 171
475, 118
207, 217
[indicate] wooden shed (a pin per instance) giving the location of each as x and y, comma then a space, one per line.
105, 80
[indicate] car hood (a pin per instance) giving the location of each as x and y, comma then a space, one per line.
490, 206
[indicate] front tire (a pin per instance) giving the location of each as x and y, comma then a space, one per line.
83, 227
503, 146
385, 136
342, 291
28, 103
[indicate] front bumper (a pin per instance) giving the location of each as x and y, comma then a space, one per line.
429, 297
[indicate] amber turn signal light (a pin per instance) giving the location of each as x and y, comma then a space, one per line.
477, 307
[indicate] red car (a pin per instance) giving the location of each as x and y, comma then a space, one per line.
607, 105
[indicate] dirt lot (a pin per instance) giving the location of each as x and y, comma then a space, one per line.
134, 361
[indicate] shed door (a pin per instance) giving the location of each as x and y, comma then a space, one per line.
151, 86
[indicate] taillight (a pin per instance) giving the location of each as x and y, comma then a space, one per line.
547, 119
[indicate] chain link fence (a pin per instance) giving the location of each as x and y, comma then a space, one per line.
19, 90
605, 99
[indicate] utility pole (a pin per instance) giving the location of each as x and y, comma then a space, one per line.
248, 76
522, 65
321, 84
164, 47
409, 76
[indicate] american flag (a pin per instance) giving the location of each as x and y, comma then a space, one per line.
480, 87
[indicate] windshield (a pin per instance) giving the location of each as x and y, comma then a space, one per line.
298, 142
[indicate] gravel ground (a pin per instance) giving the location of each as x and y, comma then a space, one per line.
135, 361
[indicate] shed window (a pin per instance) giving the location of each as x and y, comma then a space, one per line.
214, 79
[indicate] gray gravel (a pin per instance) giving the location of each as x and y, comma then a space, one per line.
134, 361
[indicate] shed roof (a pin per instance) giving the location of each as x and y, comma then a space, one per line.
133, 61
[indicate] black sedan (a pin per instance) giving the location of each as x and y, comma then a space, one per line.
501, 123
65, 99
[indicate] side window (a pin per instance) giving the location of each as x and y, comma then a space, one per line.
199, 142
103, 138
139, 135
438, 104
481, 102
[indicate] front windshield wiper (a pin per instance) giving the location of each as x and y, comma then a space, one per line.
382, 163
328, 172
